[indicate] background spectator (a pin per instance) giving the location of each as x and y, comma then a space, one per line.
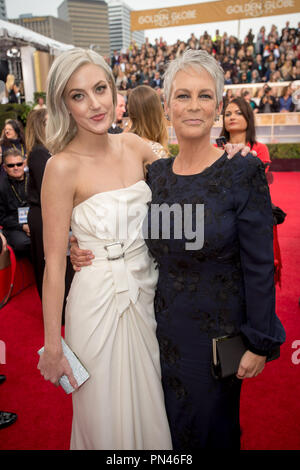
147, 119
285, 101
40, 104
38, 155
268, 103
248, 97
13, 197
12, 89
117, 126
12, 138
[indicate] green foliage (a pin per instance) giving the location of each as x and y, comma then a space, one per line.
14, 111
284, 151
173, 149
277, 151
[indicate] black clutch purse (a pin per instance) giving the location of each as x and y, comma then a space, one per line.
227, 354
278, 215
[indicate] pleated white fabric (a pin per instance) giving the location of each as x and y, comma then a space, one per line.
110, 325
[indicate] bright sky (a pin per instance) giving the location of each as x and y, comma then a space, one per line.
49, 7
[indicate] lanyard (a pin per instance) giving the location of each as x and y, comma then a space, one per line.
16, 193
22, 149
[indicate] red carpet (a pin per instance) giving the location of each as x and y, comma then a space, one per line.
270, 406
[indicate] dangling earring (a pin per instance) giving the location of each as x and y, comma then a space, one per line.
167, 117
217, 118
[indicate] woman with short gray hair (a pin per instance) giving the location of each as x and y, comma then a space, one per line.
193, 58
217, 278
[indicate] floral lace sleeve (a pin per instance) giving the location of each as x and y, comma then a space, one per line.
158, 149
255, 231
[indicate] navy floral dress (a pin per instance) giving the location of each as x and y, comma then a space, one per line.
223, 288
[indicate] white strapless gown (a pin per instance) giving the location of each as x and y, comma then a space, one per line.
110, 325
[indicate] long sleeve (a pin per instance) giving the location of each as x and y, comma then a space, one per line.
262, 328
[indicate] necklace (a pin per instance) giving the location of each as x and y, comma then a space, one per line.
22, 149
17, 194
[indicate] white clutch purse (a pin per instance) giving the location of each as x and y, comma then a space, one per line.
80, 373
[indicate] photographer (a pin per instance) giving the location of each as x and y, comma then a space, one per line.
268, 103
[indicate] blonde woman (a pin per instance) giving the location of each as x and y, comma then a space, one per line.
94, 182
12, 90
38, 155
147, 118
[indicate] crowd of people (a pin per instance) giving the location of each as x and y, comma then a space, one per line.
272, 57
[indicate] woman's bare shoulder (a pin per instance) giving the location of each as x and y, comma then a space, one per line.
132, 140
63, 163
141, 148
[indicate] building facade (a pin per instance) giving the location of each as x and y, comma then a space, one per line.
119, 27
49, 26
3, 13
89, 23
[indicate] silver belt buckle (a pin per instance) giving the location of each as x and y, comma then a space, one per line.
112, 258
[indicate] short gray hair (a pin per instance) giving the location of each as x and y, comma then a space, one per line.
195, 59
61, 127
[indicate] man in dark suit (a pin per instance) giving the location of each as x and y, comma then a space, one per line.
120, 110
115, 59
13, 203
157, 81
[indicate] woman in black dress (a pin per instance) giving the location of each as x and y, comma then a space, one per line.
220, 285
38, 156
227, 286
37, 159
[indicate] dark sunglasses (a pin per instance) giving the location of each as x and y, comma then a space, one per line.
12, 165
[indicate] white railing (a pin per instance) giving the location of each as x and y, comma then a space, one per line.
270, 128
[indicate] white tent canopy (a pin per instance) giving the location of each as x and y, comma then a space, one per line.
15, 35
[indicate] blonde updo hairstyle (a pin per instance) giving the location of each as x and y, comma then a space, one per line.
61, 127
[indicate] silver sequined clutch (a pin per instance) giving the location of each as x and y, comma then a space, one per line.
80, 373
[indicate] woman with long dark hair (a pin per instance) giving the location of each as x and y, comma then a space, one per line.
37, 159
147, 118
239, 126
12, 137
